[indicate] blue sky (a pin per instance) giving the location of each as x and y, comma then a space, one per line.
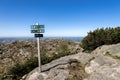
60, 17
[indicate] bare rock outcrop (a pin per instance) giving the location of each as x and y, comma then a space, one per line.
98, 67
112, 49
103, 68
57, 69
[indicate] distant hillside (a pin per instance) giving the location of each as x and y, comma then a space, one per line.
5, 40
19, 53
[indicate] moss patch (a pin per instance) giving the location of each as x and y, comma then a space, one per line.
77, 71
113, 56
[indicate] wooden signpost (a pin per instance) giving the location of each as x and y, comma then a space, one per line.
37, 30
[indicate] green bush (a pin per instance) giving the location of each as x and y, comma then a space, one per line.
21, 69
100, 37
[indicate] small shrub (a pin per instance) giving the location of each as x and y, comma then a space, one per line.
70, 77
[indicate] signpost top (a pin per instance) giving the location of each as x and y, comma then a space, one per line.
37, 28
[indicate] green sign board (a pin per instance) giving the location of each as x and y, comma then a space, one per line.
35, 31
37, 26
38, 31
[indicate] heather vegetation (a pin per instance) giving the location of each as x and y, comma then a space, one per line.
50, 50
20, 70
102, 36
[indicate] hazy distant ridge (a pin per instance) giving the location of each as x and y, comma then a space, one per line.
13, 39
